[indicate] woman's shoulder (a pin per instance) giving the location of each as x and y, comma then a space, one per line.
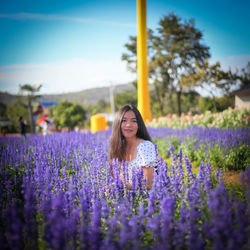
148, 153
146, 144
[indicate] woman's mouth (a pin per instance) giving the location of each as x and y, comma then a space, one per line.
128, 130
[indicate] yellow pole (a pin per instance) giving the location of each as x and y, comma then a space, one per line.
142, 65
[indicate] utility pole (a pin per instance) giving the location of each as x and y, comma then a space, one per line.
142, 65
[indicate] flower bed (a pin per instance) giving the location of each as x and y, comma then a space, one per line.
227, 119
223, 148
57, 193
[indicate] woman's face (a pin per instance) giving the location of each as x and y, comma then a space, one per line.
129, 125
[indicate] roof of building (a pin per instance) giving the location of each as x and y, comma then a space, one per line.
244, 91
48, 104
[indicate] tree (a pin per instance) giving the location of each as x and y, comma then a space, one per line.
212, 79
30, 96
238, 79
131, 56
14, 111
69, 115
178, 47
3, 108
216, 104
125, 97
244, 77
173, 52
101, 106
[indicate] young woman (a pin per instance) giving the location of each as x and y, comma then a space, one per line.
131, 142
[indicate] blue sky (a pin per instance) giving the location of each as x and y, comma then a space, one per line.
74, 45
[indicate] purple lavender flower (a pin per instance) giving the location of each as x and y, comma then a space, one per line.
30, 213
14, 227
61, 187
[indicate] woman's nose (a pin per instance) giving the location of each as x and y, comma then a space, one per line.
128, 123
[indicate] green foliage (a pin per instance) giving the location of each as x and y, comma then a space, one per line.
188, 149
237, 190
126, 97
171, 53
13, 111
31, 95
205, 104
163, 146
211, 78
216, 156
244, 76
237, 158
176, 54
215, 104
224, 102
101, 106
3, 108
189, 102
178, 62
30, 89
68, 115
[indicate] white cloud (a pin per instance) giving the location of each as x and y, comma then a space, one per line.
74, 75
233, 62
79, 74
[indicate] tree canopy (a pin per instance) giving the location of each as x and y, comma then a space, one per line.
244, 76
125, 97
173, 52
31, 94
14, 111
68, 115
178, 63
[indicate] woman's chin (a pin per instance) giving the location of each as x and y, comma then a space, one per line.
128, 135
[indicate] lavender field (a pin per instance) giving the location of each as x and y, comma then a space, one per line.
57, 192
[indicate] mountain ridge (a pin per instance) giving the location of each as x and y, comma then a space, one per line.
83, 97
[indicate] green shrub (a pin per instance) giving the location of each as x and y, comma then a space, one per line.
237, 158
216, 156
162, 147
188, 149
164, 144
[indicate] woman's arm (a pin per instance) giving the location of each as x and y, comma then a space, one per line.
148, 172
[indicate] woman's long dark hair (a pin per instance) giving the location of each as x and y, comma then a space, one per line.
117, 141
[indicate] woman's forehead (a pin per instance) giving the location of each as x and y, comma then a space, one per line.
129, 115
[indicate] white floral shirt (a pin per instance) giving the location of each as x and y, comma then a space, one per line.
147, 156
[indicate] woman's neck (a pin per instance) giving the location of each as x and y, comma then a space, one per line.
130, 142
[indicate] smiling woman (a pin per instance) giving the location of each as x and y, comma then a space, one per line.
131, 143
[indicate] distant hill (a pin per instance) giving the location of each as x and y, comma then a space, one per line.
84, 97
7, 98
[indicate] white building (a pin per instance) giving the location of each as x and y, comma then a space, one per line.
242, 97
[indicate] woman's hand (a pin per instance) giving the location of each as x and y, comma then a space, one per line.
148, 173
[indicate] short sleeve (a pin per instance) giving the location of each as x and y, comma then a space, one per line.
148, 153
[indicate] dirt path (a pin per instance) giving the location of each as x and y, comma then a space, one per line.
232, 177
